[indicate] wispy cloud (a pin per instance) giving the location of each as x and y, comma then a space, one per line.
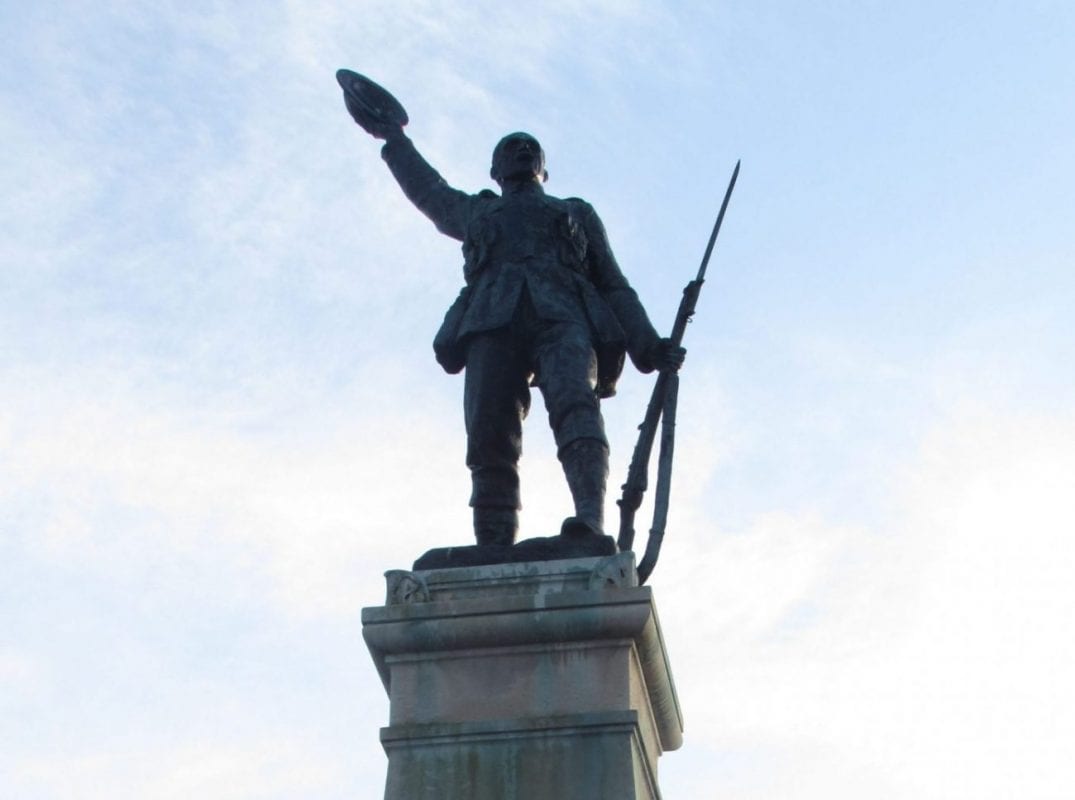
271, 768
929, 656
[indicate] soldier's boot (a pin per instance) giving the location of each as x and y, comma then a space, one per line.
495, 525
585, 463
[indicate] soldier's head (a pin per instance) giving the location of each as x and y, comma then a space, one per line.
518, 157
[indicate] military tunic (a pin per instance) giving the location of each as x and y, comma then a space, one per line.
544, 303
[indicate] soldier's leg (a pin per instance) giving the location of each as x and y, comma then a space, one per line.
567, 375
496, 399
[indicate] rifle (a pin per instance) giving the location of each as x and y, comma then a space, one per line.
662, 408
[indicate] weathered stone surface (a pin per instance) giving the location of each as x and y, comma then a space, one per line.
523, 682
503, 579
595, 756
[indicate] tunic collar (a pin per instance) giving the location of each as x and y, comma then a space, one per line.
514, 189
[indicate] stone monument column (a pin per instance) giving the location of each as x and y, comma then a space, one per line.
523, 681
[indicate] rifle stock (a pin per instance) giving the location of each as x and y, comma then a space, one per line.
637, 473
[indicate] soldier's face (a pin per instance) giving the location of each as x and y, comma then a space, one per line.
518, 156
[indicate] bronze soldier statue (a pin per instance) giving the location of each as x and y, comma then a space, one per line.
545, 304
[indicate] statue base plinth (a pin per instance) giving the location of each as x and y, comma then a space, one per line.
542, 548
524, 681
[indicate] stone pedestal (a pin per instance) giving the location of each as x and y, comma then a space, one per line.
532, 681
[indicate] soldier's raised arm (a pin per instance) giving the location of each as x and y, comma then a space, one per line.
379, 114
448, 208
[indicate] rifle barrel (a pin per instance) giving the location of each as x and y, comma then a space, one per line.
716, 225
662, 403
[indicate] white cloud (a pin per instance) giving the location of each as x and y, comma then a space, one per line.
933, 659
22, 676
112, 475
283, 767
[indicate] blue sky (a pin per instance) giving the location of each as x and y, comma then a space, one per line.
220, 419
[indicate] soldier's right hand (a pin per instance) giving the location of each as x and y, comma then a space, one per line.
666, 355
375, 128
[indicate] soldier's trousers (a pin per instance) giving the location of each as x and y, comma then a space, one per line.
559, 358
